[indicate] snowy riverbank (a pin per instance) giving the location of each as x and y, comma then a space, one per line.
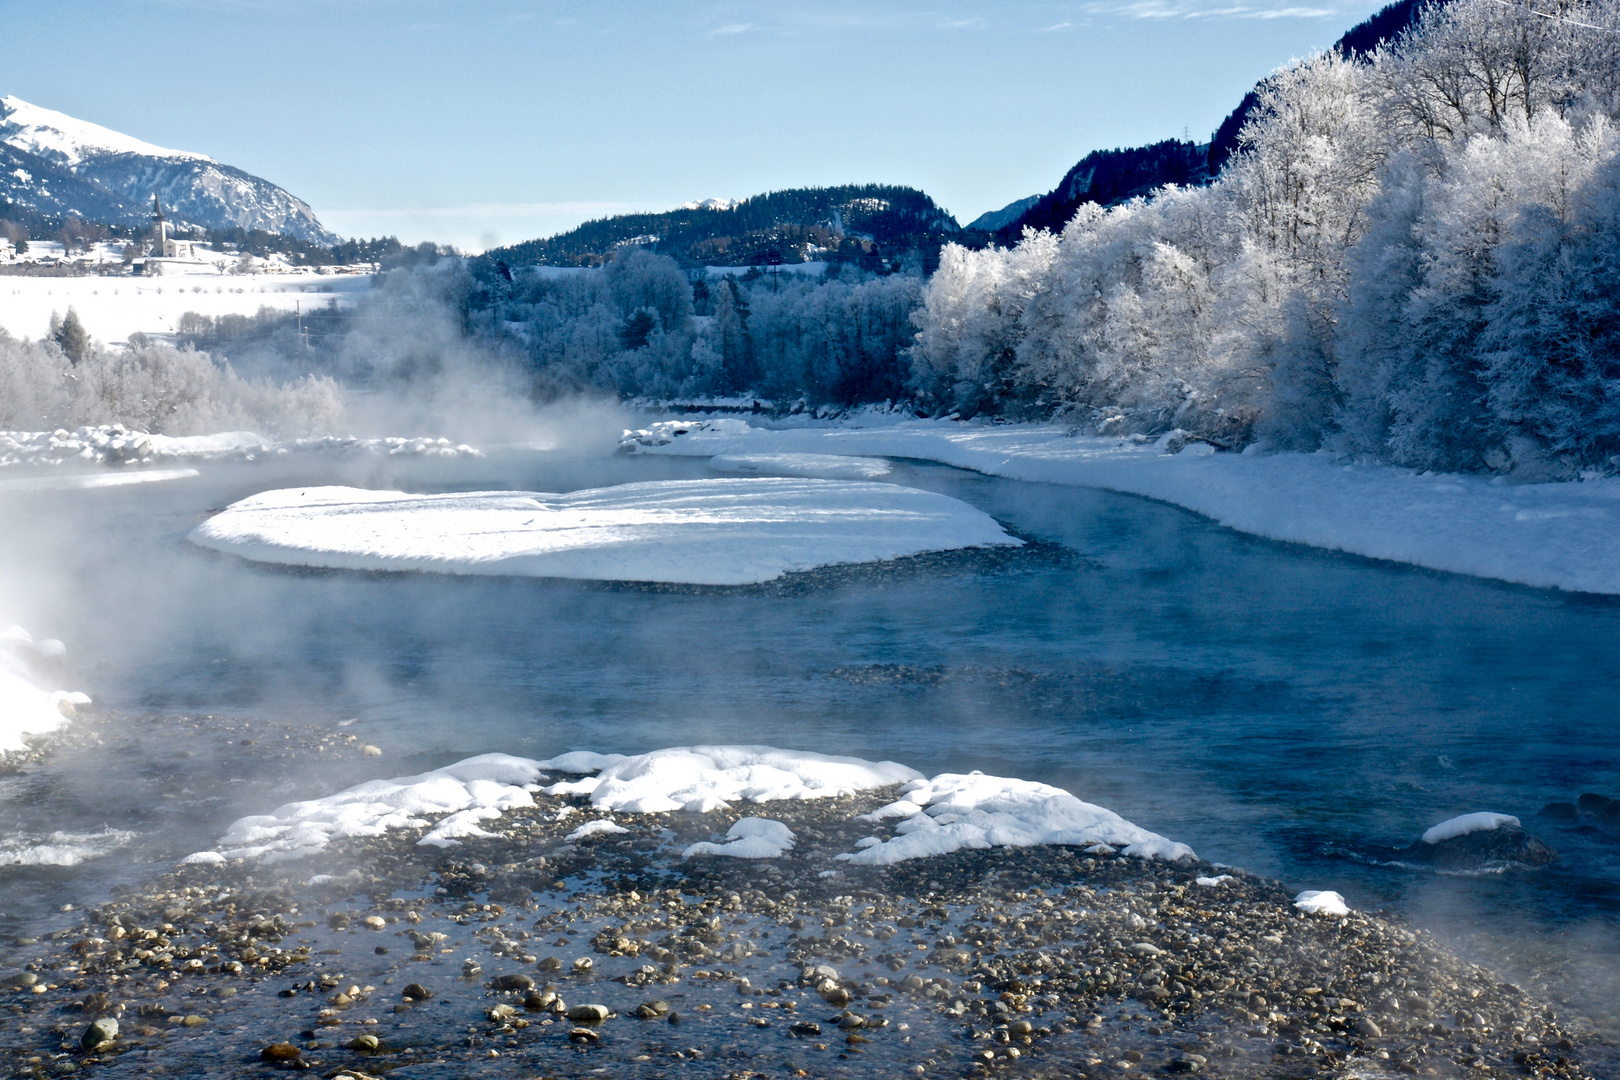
1558, 535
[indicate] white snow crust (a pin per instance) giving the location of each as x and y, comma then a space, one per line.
824, 466
27, 709
704, 778
1463, 824
477, 789
954, 811
749, 838
1554, 535
1321, 902
699, 532
114, 444
973, 809
91, 481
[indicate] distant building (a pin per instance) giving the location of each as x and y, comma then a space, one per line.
162, 245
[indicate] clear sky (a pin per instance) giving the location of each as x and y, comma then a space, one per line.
502, 120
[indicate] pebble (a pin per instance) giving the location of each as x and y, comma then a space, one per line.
588, 1014
99, 1033
280, 1052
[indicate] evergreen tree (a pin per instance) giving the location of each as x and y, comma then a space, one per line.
71, 337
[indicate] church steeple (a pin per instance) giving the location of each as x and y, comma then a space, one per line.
159, 226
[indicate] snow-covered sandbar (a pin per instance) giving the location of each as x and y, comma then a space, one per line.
695, 532
1550, 535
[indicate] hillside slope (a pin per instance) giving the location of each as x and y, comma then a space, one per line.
1110, 177
56, 165
850, 222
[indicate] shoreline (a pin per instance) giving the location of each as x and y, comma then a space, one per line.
1051, 960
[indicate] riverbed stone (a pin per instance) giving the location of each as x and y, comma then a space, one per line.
100, 1033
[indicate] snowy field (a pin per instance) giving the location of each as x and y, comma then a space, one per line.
1558, 535
695, 532
114, 307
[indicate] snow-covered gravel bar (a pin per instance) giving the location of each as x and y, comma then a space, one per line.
1550, 535
693, 532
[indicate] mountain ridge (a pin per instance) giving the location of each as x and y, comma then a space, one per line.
58, 166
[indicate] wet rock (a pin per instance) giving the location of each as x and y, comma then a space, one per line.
804, 1029
511, 982
21, 981
650, 1010
374, 922
583, 1035
1560, 811
588, 1014
471, 969
281, 1051
1477, 850
415, 992
833, 994
1367, 1029
100, 1033
366, 1044
1602, 807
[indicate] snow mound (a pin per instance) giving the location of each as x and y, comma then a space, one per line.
698, 532
704, 778
823, 466
1463, 824
954, 811
749, 838
1314, 902
944, 814
26, 708
468, 792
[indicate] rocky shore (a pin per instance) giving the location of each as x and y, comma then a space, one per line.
525, 953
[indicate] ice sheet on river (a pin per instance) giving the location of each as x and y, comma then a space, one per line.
1550, 535
972, 810
697, 532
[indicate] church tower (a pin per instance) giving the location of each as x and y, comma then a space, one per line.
160, 227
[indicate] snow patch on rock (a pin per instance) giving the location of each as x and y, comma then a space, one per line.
1463, 824
749, 838
954, 811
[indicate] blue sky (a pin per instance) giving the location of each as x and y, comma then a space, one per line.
475, 123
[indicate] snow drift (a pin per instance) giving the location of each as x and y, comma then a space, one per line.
698, 532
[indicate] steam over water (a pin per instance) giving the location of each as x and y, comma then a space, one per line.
1290, 711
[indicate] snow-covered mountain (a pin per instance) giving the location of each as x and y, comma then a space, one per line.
991, 220
55, 164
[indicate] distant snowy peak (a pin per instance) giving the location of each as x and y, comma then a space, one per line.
991, 220
711, 204
50, 133
57, 165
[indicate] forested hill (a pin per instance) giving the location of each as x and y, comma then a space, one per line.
855, 222
1110, 177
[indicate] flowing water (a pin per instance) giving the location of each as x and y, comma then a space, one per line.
1288, 710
